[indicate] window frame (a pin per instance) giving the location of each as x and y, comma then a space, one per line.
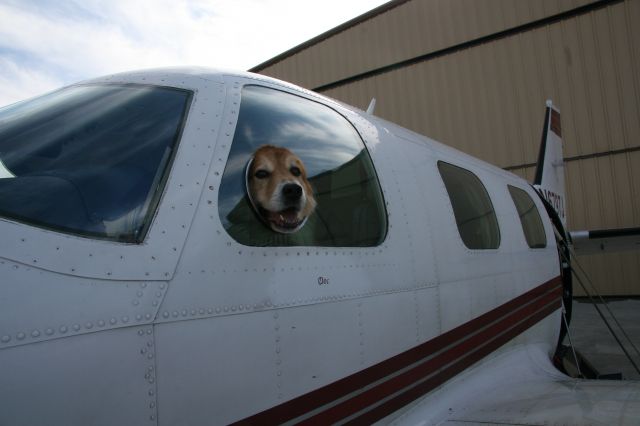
498, 233
155, 193
384, 215
522, 224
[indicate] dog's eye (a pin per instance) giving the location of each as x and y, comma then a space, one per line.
295, 171
261, 174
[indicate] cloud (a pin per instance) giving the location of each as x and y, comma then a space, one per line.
46, 44
20, 82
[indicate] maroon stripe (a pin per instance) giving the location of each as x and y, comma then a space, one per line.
428, 385
396, 384
316, 399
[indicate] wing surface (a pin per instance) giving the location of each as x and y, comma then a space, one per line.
523, 388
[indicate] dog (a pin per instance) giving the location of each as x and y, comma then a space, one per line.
278, 188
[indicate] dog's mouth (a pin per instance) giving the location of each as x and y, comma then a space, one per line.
287, 220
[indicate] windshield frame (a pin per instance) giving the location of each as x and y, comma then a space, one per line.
158, 184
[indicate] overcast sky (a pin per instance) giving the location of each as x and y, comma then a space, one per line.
45, 44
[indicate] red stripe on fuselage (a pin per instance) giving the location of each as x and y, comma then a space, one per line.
509, 314
421, 389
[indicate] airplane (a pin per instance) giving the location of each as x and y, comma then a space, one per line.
143, 284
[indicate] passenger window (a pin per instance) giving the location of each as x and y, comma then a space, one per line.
298, 174
472, 207
529, 218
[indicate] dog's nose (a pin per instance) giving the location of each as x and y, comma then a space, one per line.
292, 192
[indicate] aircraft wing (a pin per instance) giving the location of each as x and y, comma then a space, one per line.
605, 240
523, 388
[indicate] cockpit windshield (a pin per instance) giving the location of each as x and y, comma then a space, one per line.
89, 160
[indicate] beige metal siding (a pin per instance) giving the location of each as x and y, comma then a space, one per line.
412, 29
488, 99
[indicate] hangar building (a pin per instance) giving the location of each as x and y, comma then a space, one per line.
475, 74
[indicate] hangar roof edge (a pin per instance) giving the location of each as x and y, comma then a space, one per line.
328, 34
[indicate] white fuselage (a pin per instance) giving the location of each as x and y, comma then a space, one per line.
191, 327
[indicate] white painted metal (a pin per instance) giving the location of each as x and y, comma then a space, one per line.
190, 327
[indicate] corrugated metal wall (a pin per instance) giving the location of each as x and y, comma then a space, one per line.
487, 97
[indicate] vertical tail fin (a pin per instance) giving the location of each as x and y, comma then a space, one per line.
549, 180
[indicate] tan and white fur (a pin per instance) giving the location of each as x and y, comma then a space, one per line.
278, 188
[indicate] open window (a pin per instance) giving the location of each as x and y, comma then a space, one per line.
298, 174
472, 207
529, 218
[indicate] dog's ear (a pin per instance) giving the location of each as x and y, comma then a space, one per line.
248, 175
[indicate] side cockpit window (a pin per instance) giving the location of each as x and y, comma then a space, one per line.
472, 207
298, 174
529, 218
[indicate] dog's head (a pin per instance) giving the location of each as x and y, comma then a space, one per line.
278, 188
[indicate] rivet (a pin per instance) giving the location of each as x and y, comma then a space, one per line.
210, 311
150, 343
125, 319
158, 294
63, 329
139, 317
150, 356
165, 314
139, 293
20, 336
193, 312
76, 327
184, 312
112, 321
5, 339
49, 331
143, 351
162, 286
35, 333
217, 310
149, 331
100, 323
147, 316
201, 311
151, 392
152, 405
152, 417
154, 303
135, 302
175, 314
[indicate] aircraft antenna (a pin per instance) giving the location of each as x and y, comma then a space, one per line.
372, 106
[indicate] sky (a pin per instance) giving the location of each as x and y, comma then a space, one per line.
46, 44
